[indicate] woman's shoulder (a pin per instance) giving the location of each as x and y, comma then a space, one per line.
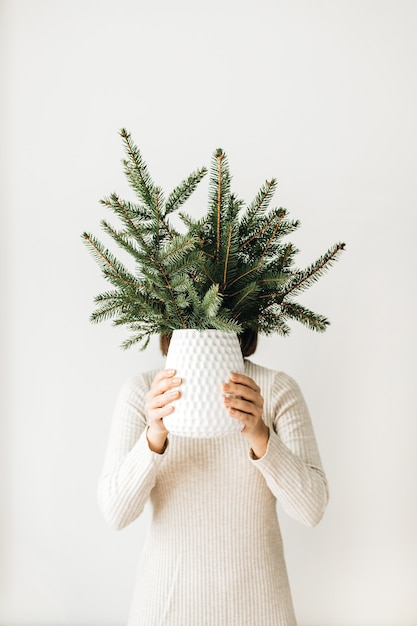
138, 383
264, 376
281, 392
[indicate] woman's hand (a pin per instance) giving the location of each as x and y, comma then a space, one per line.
162, 392
247, 407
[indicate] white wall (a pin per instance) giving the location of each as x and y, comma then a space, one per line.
320, 93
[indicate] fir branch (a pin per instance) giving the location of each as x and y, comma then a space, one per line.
259, 204
137, 171
105, 312
217, 226
248, 292
181, 281
208, 270
142, 338
207, 254
172, 298
272, 237
181, 245
247, 272
195, 226
270, 322
289, 251
122, 209
304, 279
123, 240
220, 157
127, 211
189, 263
222, 322
161, 222
274, 279
108, 295
226, 261
108, 263
211, 302
230, 244
181, 193
280, 215
277, 296
310, 319
152, 257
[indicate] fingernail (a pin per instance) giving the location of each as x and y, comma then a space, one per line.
170, 372
176, 380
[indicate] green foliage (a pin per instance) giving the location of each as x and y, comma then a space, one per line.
229, 270
244, 254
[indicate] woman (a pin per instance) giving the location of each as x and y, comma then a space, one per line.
213, 556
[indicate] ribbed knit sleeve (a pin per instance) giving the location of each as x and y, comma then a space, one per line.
291, 465
130, 467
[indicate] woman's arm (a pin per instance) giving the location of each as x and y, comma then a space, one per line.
283, 445
291, 465
132, 462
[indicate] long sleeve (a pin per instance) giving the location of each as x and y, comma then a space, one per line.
291, 465
130, 467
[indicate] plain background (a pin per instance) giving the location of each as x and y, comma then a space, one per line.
320, 94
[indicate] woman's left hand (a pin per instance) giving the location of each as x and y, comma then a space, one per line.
247, 407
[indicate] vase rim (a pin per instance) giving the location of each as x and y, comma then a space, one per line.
204, 330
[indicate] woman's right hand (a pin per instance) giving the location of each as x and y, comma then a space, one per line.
158, 405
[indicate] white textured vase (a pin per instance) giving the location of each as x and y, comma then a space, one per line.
204, 360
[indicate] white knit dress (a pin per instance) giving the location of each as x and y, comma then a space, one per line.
213, 555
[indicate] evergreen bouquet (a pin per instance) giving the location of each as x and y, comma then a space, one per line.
230, 270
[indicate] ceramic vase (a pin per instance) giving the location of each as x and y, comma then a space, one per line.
203, 359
